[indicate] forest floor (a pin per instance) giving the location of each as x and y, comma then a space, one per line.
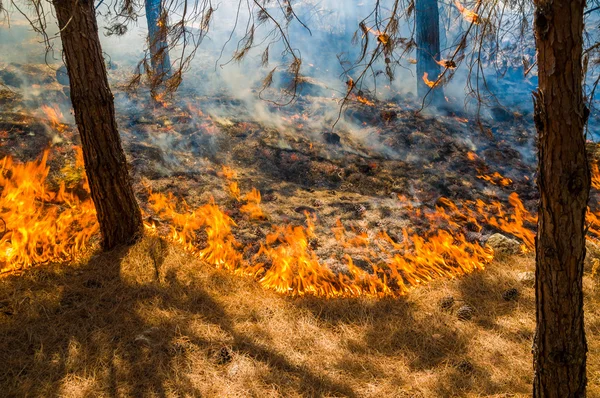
149, 320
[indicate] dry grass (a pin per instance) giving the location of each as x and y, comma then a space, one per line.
149, 321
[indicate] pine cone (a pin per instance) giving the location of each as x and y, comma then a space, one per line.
465, 312
465, 367
446, 303
224, 356
510, 294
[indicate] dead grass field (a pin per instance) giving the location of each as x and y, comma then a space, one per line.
148, 321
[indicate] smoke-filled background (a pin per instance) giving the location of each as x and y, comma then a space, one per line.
325, 45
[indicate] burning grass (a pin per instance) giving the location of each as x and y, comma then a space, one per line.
41, 224
46, 226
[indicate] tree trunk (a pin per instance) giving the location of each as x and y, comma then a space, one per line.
564, 184
157, 38
428, 49
105, 164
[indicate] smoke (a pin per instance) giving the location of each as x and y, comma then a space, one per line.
321, 33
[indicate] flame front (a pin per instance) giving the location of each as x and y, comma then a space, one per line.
40, 224
52, 224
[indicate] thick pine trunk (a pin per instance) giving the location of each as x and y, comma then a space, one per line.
110, 185
157, 38
428, 49
564, 183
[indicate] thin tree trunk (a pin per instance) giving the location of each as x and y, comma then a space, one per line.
428, 49
110, 185
157, 37
564, 183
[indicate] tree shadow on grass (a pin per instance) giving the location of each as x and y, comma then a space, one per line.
124, 324
429, 340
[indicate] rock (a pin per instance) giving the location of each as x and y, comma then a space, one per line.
503, 245
465, 312
317, 203
527, 278
510, 294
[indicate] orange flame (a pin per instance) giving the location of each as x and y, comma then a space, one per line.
252, 206
447, 63
38, 232
55, 117
595, 176
496, 179
430, 83
46, 223
365, 101
41, 224
468, 15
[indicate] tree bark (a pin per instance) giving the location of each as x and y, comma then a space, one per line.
105, 164
157, 38
428, 49
564, 183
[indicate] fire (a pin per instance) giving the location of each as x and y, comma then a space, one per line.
234, 190
220, 247
365, 101
55, 117
382, 37
447, 63
252, 206
46, 222
468, 15
430, 83
595, 176
46, 225
161, 98
41, 224
515, 222
496, 179
228, 173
